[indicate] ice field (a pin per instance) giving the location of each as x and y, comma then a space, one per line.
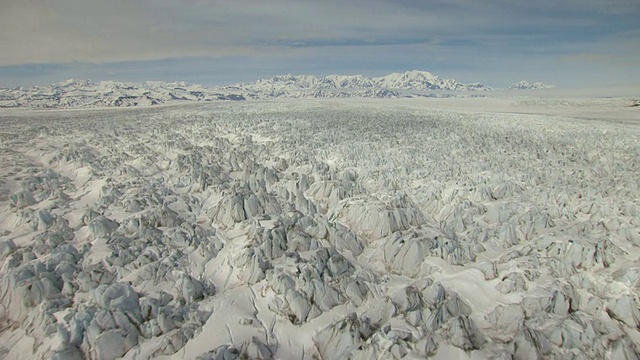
322, 229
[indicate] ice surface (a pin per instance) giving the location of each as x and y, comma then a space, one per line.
445, 228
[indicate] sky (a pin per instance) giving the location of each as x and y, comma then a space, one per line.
569, 43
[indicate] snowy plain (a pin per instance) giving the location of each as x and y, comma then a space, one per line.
504, 227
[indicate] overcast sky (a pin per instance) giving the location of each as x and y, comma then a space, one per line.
566, 42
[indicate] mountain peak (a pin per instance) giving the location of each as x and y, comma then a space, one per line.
73, 82
420, 74
525, 85
424, 80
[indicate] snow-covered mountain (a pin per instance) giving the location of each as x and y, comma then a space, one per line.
410, 80
525, 85
86, 93
423, 80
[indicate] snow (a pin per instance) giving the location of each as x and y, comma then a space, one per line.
468, 228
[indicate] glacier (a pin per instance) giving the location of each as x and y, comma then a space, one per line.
457, 228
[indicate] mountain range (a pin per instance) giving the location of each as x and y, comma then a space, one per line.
410, 80
74, 93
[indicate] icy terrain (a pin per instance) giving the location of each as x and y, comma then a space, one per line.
448, 228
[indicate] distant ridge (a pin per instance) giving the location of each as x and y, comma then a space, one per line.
524, 85
410, 80
77, 93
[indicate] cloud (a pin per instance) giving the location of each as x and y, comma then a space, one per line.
37, 31
178, 38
